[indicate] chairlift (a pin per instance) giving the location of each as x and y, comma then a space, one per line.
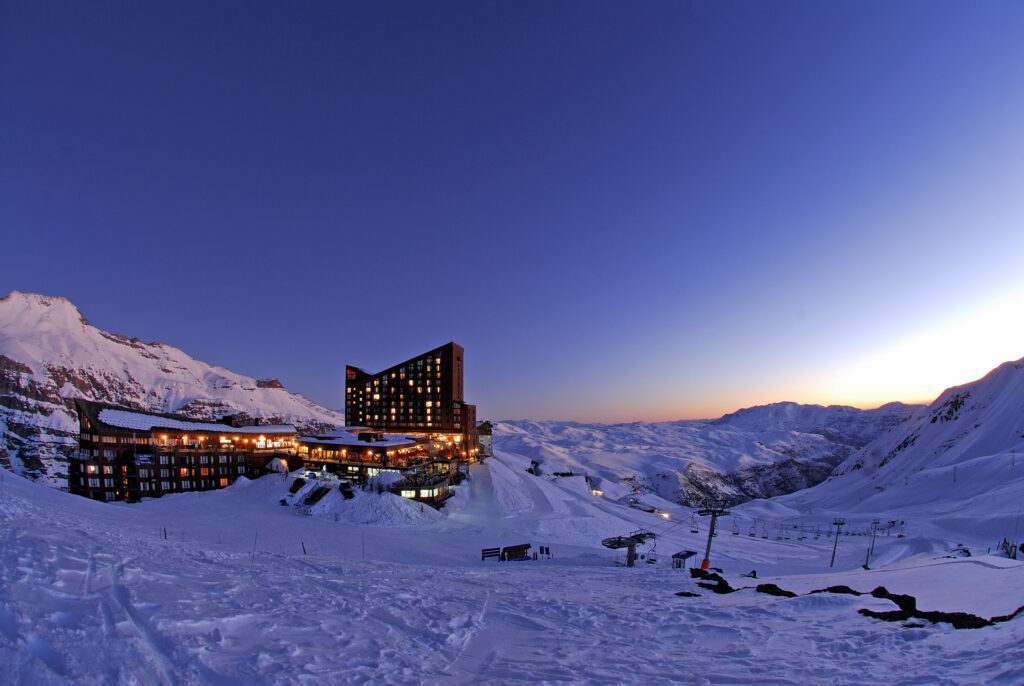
693, 525
735, 527
764, 531
753, 530
787, 534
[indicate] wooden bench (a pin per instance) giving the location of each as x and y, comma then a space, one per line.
490, 552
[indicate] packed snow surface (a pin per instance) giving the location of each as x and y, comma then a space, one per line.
234, 587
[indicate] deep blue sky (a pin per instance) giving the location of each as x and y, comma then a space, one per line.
621, 210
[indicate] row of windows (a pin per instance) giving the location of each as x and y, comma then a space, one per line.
185, 484
424, 492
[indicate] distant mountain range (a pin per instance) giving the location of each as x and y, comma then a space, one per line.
961, 460
757, 452
50, 355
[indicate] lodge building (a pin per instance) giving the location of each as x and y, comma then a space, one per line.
424, 467
127, 454
410, 420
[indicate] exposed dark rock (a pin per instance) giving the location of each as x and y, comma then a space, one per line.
838, 589
712, 581
772, 589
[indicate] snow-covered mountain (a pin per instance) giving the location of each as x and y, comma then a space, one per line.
757, 452
966, 448
50, 355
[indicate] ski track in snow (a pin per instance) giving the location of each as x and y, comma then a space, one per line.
93, 594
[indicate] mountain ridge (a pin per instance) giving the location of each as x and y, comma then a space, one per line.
962, 446
50, 354
757, 452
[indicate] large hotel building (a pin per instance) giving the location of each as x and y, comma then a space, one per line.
409, 420
419, 396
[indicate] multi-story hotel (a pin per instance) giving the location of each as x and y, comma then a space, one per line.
127, 455
421, 396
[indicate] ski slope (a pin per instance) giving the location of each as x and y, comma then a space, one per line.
243, 590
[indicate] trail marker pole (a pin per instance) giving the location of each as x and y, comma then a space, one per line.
874, 533
837, 523
716, 510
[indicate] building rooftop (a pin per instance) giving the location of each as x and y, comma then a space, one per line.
140, 421
348, 439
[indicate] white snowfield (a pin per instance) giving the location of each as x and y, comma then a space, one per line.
231, 587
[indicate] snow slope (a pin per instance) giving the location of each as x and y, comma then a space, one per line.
757, 452
241, 590
958, 461
50, 354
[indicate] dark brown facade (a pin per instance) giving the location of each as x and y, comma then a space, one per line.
128, 455
422, 395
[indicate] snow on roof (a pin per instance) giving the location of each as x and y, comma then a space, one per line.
353, 440
342, 430
140, 421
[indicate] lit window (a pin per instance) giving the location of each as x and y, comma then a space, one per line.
409, 494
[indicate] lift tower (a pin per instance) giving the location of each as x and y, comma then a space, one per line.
715, 510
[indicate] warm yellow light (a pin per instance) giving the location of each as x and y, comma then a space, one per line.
664, 514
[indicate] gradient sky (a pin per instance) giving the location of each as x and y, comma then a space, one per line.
621, 210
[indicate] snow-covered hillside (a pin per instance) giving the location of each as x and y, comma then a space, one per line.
230, 587
965, 448
50, 354
753, 453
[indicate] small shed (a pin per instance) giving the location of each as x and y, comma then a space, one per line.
679, 559
515, 552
